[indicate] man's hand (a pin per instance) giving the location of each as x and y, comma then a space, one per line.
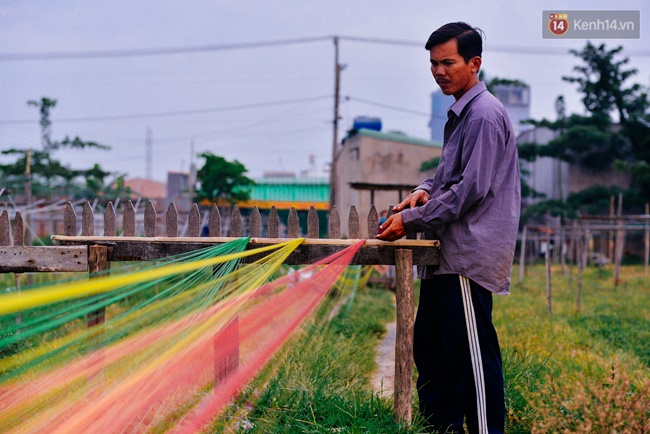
393, 228
417, 198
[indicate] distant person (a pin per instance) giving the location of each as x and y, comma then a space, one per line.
382, 220
472, 206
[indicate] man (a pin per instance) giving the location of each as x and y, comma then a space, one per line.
472, 206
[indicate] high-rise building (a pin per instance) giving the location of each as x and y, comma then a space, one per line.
515, 97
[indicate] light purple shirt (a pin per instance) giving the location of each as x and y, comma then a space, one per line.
475, 195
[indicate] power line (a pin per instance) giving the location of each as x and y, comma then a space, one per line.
498, 48
159, 51
391, 107
172, 113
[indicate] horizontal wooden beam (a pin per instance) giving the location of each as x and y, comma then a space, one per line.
373, 252
25, 259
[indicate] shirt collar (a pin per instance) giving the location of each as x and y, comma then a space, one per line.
458, 106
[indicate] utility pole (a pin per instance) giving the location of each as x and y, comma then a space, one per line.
28, 196
335, 144
192, 176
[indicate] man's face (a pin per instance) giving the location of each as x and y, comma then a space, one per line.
453, 75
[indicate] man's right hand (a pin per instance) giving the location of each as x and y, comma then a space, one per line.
417, 198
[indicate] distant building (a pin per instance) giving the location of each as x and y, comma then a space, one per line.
180, 191
376, 168
514, 97
153, 191
557, 179
440, 104
287, 192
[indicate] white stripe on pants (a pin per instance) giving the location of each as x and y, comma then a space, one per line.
475, 353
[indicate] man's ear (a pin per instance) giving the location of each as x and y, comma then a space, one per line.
475, 63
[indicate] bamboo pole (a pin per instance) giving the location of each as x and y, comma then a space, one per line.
404, 335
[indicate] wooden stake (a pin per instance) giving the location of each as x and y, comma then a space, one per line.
97, 263
226, 343
522, 254
620, 242
404, 336
647, 239
547, 257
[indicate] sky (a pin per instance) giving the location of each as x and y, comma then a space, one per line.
253, 81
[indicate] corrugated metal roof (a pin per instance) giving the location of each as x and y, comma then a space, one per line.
291, 190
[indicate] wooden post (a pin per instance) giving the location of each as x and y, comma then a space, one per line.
334, 224
69, 221
274, 223
354, 230
373, 222
235, 230
5, 229
110, 227
610, 256
620, 242
547, 257
171, 220
647, 239
194, 222
214, 221
97, 263
149, 220
128, 220
255, 224
293, 224
582, 251
404, 335
19, 240
522, 254
19, 230
560, 246
312, 223
226, 351
572, 250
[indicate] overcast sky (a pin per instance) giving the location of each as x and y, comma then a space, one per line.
270, 106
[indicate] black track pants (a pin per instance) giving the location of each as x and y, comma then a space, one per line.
456, 351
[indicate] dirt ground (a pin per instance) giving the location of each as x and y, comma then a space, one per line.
383, 380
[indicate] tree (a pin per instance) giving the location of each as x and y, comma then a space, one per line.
222, 179
49, 174
614, 133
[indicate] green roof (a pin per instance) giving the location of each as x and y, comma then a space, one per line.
394, 137
287, 189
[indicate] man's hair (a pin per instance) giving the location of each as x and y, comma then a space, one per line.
469, 39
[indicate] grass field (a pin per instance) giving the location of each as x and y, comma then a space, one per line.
565, 371
586, 371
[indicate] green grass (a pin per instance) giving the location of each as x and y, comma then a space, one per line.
321, 383
588, 358
564, 371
